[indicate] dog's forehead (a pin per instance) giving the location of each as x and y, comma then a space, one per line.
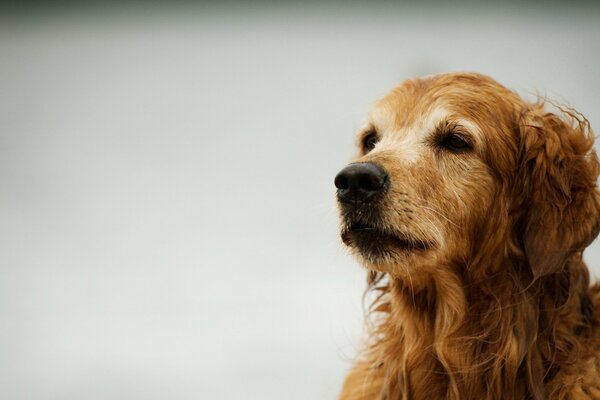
466, 95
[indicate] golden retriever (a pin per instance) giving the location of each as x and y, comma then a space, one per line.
471, 208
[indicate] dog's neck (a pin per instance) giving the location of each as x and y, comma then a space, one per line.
460, 339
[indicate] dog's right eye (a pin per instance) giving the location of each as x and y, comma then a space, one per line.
455, 143
369, 142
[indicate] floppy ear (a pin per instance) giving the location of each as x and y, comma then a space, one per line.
558, 170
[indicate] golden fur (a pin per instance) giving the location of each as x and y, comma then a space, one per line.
498, 305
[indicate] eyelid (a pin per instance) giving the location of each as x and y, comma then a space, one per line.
447, 128
465, 138
367, 132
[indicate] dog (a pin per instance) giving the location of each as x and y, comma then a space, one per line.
470, 209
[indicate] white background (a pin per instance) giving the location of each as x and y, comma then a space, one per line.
166, 184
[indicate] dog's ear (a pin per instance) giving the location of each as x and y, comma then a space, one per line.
558, 168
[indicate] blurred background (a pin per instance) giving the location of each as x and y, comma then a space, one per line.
166, 180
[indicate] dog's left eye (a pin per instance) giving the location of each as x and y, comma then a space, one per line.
369, 142
455, 143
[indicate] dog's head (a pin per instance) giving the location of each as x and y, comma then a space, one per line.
456, 168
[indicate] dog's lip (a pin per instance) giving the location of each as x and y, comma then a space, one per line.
358, 232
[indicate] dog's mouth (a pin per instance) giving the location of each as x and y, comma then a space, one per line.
372, 240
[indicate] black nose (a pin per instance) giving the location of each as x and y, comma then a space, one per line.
360, 182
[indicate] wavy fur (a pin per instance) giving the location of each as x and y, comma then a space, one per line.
505, 310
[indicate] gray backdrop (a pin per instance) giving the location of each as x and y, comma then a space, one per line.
166, 183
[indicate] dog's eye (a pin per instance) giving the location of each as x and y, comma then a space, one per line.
369, 142
455, 143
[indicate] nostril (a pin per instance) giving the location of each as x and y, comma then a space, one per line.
341, 180
371, 181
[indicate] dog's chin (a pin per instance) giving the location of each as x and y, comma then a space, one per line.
382, 248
